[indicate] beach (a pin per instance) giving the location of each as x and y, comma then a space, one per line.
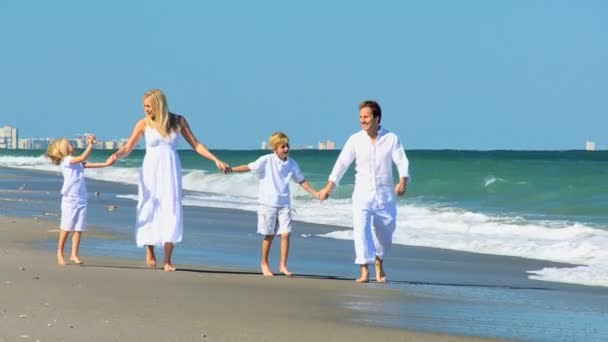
217, 294
120, 300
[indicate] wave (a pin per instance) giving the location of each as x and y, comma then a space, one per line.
420, 224
491, 180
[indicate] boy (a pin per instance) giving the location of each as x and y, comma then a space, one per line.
274, 214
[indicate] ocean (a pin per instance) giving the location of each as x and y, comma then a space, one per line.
546, 205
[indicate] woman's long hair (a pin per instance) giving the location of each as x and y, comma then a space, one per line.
164, 122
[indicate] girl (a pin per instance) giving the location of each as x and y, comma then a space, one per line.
73, 192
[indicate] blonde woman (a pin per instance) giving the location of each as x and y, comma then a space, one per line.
73, 192
159, 219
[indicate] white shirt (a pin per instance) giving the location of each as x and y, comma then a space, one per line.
73, 178
274, 175
373, 165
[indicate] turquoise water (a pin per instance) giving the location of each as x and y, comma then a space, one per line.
549, 185
570, 185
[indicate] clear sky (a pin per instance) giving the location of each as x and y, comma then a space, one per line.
516, 74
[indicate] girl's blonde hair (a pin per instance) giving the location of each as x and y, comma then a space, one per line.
278, 139
58, 150
164, 122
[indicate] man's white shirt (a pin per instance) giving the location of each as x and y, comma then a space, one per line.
373, 165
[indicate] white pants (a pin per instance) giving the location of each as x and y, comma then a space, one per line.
73, 213
373, 227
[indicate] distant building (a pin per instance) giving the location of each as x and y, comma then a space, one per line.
34, 143
9, 138
110, 145
590, 146
326, 145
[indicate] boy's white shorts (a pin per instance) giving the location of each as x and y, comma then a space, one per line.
73, 213
274, 220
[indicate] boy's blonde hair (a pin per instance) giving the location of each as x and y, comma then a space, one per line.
278, 139
163, 121
58, 150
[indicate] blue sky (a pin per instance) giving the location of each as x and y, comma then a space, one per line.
520, 74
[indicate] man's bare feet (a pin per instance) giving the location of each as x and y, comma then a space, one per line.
364, 278
285, 271
266, 270
76, 260
169, 268
380, 275
61, 260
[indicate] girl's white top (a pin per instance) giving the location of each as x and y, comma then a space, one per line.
373, 164
73, 178
274, 175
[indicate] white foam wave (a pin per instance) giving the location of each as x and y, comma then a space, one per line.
418, 225
461, 230
491, 180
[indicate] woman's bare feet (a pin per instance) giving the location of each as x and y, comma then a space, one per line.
61, 259
266, 270
150, 257
76, 260
285, 271
380, 275
169, 268
364, 278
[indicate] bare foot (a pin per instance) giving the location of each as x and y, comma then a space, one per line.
266, 270
150, 259
151, 262
76, 260
364, 278
169, 268
285, 271
60, 260
380, 275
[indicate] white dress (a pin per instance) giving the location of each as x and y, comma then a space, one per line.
159, 207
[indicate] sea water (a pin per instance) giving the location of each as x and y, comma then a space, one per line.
548, 205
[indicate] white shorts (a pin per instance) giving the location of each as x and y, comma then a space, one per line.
273, 220
73, 213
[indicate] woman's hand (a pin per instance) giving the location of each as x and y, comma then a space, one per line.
225, 168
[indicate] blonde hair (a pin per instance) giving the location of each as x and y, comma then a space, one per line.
164, 122
58, 150
278, 139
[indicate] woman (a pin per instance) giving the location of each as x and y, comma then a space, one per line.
159, 209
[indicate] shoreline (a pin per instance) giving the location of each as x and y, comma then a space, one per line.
114, 299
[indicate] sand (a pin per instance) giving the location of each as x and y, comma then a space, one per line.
121, 300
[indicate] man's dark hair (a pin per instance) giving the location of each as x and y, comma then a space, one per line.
374, 106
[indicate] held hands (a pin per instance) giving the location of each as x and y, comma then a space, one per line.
111, 160
225, 168
324, 193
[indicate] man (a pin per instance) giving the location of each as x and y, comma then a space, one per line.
373, 149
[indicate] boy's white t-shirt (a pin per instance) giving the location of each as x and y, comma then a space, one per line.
274, 175
73, 178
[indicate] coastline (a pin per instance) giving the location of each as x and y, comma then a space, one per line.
433, 294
